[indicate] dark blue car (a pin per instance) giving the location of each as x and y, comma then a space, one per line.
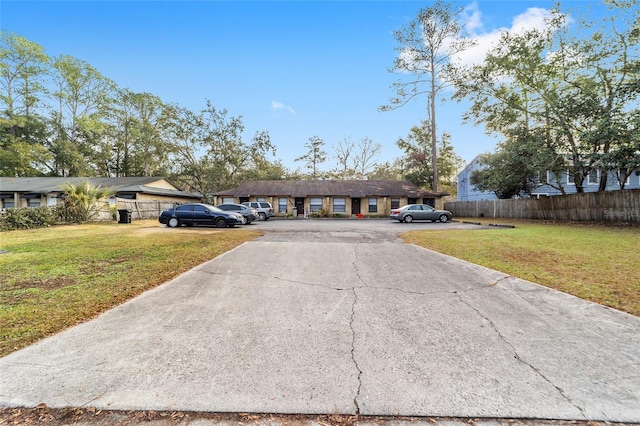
198, 214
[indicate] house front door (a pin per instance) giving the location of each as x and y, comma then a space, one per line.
300, 206
355, 206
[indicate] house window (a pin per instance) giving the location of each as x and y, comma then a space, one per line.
227, 200
33, 202
282, 205
571, 179
373, 205
395, 203
593, 178
8, 203
543, 178
315, 204
339, 205
622, 173
263, 199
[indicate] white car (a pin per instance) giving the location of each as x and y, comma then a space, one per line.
264, 209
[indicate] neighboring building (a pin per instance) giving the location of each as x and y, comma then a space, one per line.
343, 197
466, 191
45, 191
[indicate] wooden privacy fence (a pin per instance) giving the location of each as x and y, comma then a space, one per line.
140, 209
144, 209
609, 206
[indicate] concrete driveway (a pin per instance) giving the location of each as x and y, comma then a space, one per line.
341, 317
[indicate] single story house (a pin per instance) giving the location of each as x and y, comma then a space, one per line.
45, 191
467, 192
335, 197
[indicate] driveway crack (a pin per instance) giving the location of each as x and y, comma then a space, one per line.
517, 356
353, 346
353, 331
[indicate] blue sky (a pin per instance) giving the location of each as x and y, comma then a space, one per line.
294, 68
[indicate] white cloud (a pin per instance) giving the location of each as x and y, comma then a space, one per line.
532, 18
276, 106
473, 18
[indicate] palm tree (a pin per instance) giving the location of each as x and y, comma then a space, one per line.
82, 200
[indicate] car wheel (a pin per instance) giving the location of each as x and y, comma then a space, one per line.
249, 222
243, 220
408, 218
262, 216
444, 218
173, 222
220, 222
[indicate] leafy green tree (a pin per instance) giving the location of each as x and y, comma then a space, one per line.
623, 158
386, 171
263, 169
228, 155
570, 95
137, 143
83, 201
449, 163
83, 97
426, 46
227, 158
509, 172
189, 168
417, 155
416, 161
314, 156
23, 67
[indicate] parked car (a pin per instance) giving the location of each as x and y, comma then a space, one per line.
199, 214
265, 211
412, 212
248, 213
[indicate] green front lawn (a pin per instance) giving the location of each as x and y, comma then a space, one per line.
593, 262
53, 278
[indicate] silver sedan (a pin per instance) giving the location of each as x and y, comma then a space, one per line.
412, 212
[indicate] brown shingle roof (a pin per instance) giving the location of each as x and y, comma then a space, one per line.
45, 185
308, 188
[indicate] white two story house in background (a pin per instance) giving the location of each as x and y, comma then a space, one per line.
467, 192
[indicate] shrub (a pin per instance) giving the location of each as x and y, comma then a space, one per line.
320, 213
82, 201
27, 218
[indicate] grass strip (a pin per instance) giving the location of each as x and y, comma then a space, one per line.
593, 262
54, 278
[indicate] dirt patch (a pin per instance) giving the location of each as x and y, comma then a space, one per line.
104, 266
44, 284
